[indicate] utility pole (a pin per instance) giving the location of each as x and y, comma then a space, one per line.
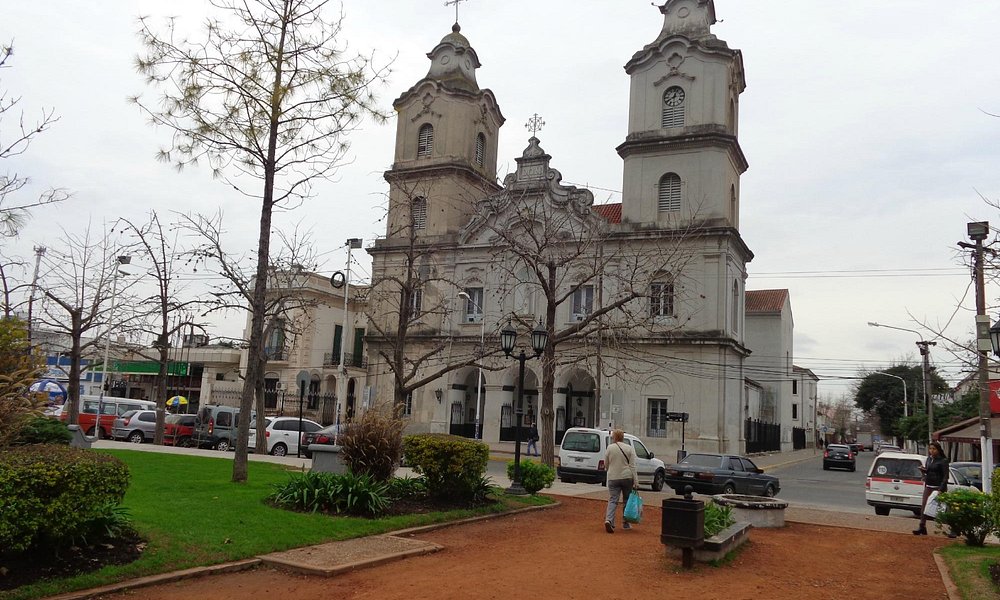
925, 354
978, 232
39, 253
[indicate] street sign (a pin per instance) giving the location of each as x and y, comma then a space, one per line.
303, 379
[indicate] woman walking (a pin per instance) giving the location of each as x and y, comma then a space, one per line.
622, 477
935, 472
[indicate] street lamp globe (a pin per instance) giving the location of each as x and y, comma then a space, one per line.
539, 339
995, 338
508, 337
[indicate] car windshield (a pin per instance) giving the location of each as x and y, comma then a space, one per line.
581, 441
329, 429
839, 448
897, 468
702, 460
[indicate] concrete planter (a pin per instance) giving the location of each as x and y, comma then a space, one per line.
759, 511
326, 459
719, 545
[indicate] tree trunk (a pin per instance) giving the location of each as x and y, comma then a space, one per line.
548, 373
76, 316
161, 394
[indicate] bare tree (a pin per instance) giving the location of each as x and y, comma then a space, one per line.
290, 265
267, 96
158, 313
77, 282
13, 213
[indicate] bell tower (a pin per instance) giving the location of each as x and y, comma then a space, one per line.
446, 145
682, 158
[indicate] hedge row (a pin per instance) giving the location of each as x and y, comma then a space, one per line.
52, 493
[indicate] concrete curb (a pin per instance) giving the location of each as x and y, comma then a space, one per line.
114, 588
949, 584
275, 560
250, 563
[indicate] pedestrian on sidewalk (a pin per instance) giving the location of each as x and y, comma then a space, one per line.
532, 439
622, 477
935, 472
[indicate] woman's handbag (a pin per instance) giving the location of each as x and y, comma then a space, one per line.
633, 508
932, 507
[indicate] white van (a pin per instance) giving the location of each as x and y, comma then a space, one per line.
894, 481
581, 458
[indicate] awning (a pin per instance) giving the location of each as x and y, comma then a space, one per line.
967, 431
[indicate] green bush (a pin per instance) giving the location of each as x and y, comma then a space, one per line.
534, 475
407, 487
52, 493
373, 444
453, 466
44, 430
347, 493
968, 513
717, 518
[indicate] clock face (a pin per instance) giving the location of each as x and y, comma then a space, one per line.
674, 97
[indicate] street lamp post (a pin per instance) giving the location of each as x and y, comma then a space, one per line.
508, 338
122, 260
905, 402
925, 354
482, 345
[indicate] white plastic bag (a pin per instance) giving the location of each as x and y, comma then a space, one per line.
932, 507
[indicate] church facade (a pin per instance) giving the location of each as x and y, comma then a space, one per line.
642, 302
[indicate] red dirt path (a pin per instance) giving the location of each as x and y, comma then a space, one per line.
564, 553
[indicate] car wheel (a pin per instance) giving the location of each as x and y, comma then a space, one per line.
826, 467
90, 432
729, 488
657, 481
882, 511
279, 450
136, 437
769, 491
222, 446
184, 442
853, 469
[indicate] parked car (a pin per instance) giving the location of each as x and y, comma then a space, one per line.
839, 456
111, 407
856, 447
972, 471
215, 426
136, 426
888, 448
282, 434
895, 481
721, 474
325, 436
178, 430
581, 458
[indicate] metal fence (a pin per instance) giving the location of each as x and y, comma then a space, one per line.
761, 436
285, 403
798, 438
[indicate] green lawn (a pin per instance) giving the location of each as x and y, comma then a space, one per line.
192, 515
967, 566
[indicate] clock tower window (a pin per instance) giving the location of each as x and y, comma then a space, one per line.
419, 213
669, 198
673, 107
480, 150
425, 140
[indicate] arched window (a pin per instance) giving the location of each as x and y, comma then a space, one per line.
673, 107
480, 150
661, 297
736, 306
425, 140
419, 212
669, 193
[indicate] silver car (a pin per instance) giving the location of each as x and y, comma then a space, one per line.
136, 426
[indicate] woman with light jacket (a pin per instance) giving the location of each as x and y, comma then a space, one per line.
619, 461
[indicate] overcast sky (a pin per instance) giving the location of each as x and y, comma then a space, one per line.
864, 124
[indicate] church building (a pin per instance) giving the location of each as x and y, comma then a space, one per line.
642, 302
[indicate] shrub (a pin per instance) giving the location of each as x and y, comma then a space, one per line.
407, 487
534, 475
968, 513
717, 518
19, 367
52, 493
346, 493
373, 444
453, 466
44, 430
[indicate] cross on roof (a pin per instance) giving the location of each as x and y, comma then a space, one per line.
534, 124
456, 3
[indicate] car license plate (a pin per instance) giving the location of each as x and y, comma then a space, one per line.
895, 499
689, 474
578, 458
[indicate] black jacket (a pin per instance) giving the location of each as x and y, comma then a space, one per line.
937, 471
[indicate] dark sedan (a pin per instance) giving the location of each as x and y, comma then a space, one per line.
327, 436
840, 456
972, 471
721, 474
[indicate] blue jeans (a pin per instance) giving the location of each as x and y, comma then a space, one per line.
616, 488
531, 444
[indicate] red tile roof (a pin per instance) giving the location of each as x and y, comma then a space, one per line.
766, 301
611, 212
